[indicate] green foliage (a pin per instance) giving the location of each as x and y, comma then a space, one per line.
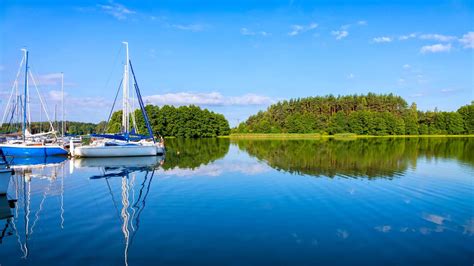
75, 128
370, 114
467, 114
184, 121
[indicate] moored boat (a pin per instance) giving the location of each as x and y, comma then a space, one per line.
25, 143
128, 143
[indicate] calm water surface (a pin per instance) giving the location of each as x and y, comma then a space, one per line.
222, 202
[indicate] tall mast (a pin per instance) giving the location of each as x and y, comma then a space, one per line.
25, 95
62, 105
125, 108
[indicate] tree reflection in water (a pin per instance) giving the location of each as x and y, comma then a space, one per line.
192, 153
370, 157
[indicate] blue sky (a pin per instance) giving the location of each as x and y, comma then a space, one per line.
238, 57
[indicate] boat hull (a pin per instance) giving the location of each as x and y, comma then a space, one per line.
118, 162
5, 175
115, 151
23, 150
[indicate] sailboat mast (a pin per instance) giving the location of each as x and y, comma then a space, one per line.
125, 109
62, 105
25, 95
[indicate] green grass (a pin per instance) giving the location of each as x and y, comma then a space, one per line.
337, 136
275, 136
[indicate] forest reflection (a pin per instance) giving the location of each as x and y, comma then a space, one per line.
370, 158
192, 153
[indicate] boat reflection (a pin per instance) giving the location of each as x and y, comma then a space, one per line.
132, 205
35, 162
5, 216
27, 172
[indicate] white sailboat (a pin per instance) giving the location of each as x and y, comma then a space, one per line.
127, 143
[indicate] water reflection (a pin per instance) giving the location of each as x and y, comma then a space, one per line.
132, 205
26, 216
192, 153
371, 158
140, 210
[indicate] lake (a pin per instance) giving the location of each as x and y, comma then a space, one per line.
376, 201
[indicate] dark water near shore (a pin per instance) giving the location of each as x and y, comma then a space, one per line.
249, 202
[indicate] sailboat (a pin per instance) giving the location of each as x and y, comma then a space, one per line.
24, 143
128, 143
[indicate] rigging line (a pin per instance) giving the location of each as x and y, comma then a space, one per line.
11, 118
113, 199
137, 219
40, 208
15, 84
141, 191
112, 69
142, 105
132, 189
16, 214
113, 106
62, 196
42, 104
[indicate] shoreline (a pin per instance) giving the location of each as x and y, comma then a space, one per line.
337, 136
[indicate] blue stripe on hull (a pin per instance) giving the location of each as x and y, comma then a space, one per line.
25, 151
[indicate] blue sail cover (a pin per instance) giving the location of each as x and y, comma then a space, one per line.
124, 137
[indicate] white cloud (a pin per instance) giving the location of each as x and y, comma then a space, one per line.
116, 10
362, 23
297, 29
49, 79
340, 34
342, 233
217, 169
213, 98
382, 39
437, 37
350, 76
189, 27
467, 40
55, 95
247, 32
449, 90
436, 48
406, 37
406, 66
436, 219
85, 102
383, 228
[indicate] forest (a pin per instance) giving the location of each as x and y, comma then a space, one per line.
184, 121
370, 114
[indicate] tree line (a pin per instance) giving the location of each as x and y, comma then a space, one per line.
184, 121
72, 127
371, 114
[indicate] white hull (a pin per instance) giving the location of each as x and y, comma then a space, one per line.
115, 151
147, 161
5, 175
